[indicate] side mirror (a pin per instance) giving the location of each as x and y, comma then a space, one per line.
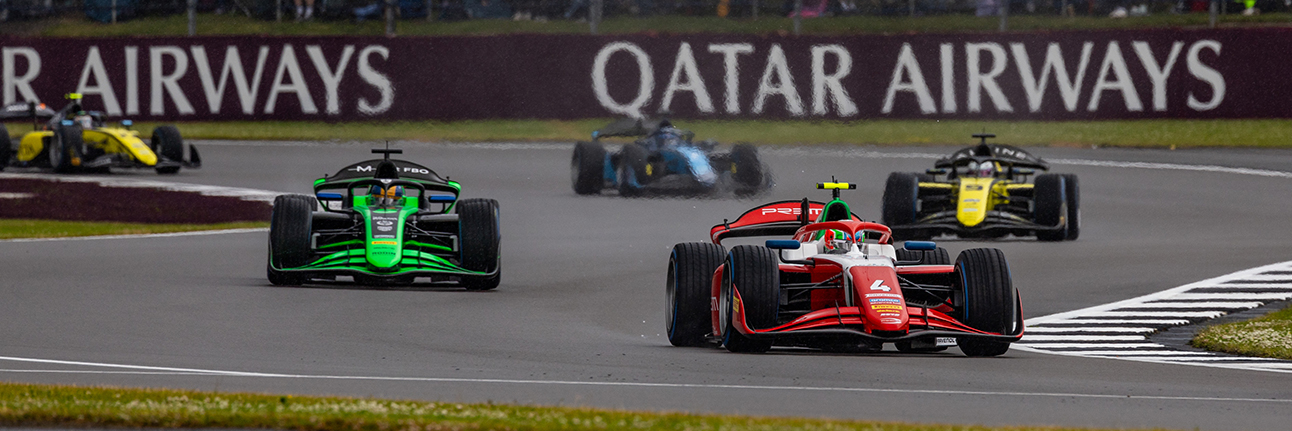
1024, 171
783, 244
937, 171
127, 123
920, 245
329, 196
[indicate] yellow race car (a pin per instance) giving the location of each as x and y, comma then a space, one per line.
982, 192
71, 140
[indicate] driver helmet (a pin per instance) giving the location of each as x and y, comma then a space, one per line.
984, 169
836, 242
387, 196
84, 119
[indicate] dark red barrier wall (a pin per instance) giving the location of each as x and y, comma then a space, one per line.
1236, 73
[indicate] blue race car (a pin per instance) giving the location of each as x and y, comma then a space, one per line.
664, 159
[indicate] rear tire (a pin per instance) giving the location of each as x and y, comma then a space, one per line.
754, 270
168, 144
481, 242
289, 238
68, 143
588, 168
5, 149
987, 299
1072, 188
901, 196
632, 170
746, 168
690, 280
938, 256
1050, 199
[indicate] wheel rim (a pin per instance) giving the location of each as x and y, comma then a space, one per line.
724, 303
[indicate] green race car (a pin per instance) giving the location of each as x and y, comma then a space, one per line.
385, 222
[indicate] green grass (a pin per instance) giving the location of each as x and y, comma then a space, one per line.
210, 24
80, 407
1141, 133
1269, 336
22, 228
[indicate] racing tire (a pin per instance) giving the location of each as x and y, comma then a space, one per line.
289, 238
690, 280
632, 170
986, 299
938, 256
1072, 190
755, 271
746, 168
168, 144
67, 144
5, 149
588, 168
901, 198
481, 241
1049, 196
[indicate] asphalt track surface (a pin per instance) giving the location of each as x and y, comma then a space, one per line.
578, 319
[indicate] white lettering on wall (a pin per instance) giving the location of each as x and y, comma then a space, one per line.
646, 81
1034, 87
102, 87
1157, 74
778, 70
15, 84
731, 65
331, 77
377, 80
979, 81
232, 67
287, 63
907, 66
821, 82
685, 64
1114, 62
947, 53
163, 83
1205, 74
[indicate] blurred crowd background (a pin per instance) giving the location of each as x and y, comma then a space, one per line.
540, 10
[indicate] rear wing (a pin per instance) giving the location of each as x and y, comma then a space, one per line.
782, 218
632, 127
26, 111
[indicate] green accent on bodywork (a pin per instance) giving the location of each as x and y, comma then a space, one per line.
833, 203
410, 261
384, 253
338, 244
422, 244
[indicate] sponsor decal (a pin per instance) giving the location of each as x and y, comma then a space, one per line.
790, 211
883, 295
879, 285
890, 314
886, 307
385, 228
971, 201
384, 222
970, 210
890, 321
384, 243
885, 301
973, 187
945, 341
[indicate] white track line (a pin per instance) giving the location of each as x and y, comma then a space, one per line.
143, 235
223, 373
1063, 333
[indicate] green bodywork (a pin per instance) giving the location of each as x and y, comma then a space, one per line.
392, 253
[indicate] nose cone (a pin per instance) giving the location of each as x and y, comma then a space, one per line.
883, 308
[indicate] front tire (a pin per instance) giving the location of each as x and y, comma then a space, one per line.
588, 168
481, 242
690, 280
289, 238
1050, 198
67, 145
632, 170
987, 299
746, 168
754, 271
1072, 188
901, 197
168, 144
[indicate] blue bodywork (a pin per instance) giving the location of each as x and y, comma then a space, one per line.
678, 154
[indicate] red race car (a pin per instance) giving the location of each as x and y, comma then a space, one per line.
838, 285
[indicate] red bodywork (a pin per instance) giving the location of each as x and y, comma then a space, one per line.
878, 309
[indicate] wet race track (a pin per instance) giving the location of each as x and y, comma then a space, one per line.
578, 319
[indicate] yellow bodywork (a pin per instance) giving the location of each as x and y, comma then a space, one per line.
975, 197
109, 140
